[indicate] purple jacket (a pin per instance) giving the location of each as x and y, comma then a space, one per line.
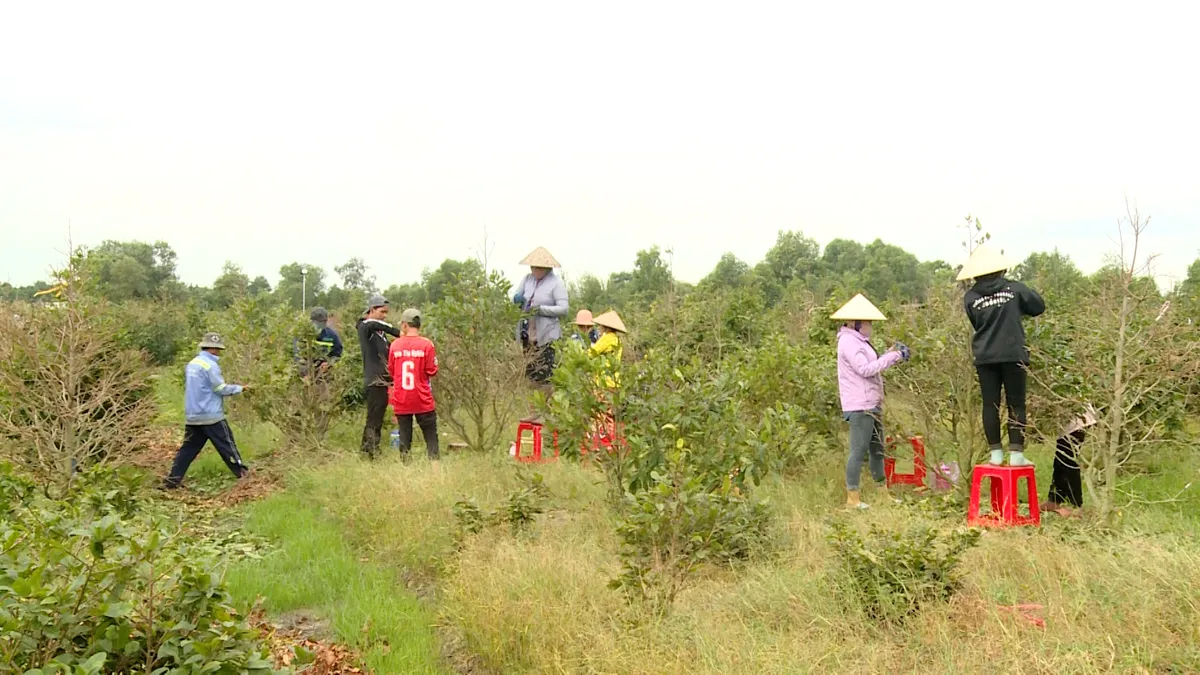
859, 369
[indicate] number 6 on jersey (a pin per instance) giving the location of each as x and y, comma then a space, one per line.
407, 381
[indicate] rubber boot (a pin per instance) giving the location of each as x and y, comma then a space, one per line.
997, 457
854, 500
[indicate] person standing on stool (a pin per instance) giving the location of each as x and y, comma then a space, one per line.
860, 385
204, 410
373, 330
413, 360
995, 307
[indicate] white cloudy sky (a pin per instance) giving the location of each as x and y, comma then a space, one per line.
402, 131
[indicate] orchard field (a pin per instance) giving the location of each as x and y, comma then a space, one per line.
716, 542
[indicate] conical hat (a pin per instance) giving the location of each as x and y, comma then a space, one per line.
984, 260
611, 320
584, 318
858, 309
540, 258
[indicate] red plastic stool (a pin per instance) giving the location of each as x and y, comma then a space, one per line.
917, 477
605, 435
1005, 496
536, 430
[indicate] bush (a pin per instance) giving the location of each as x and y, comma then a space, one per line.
89, 586
520, 510
891, 575
526, 503
263, 339
161, 330
678, 524
480, 384
70, 395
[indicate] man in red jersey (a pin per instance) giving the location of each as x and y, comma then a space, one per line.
413, 360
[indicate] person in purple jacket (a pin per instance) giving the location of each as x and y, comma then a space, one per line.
860, 384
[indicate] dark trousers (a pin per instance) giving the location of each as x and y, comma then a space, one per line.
194, 438
1011, 377
428, 423
1066, 485
377, 403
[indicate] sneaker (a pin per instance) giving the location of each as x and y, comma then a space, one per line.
1018, 459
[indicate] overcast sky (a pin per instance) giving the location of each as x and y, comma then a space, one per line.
401, 132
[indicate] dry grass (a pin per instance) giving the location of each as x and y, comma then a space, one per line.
1124, 602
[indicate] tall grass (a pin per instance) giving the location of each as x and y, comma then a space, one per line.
540, 603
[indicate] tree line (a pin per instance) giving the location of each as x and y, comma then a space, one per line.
123, 271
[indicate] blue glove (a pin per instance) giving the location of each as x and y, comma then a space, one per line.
905, 352
519, 299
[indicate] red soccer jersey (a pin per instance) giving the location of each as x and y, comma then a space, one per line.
413, 361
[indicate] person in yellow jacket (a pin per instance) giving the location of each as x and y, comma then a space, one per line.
609, 346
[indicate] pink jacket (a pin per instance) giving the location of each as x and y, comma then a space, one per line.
859, 368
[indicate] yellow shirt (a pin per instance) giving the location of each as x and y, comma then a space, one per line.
609, 345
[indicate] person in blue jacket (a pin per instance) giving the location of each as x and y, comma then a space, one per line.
204, 409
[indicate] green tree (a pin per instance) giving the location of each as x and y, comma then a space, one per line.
651, 277
844, 257
405, 295
891, 273
22, 293
291, 281
730, 272
259, 286
794, 256
1187, 294
1052, 274
619, 287
132, 270
436, 282
232, 285
355, 275
590, 293
935, 273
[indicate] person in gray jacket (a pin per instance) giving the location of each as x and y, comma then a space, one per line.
542, 295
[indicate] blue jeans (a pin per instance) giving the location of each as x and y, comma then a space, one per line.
866, 445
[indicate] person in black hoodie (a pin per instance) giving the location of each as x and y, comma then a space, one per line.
371, 339
995, 306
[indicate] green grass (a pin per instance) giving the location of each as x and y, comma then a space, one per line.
315, 569
1119, 601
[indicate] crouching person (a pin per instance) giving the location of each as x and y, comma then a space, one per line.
204, 407
1066, 484
860, 385
413, 360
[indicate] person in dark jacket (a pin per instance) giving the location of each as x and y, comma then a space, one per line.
1066, 483
996, 306
373, 330
327, 345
